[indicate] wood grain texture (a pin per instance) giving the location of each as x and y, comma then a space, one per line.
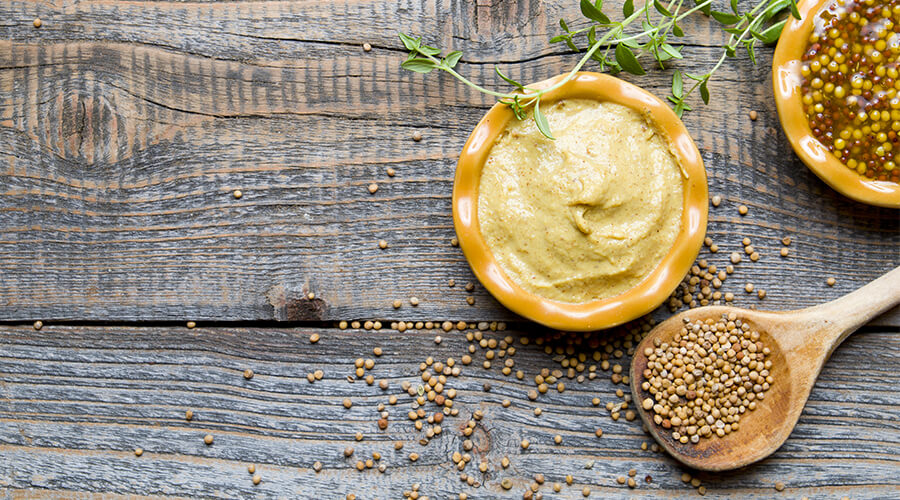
76, 401
125, 126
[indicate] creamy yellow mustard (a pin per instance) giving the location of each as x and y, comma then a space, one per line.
587, 216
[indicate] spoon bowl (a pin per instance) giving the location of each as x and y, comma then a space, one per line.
800, 343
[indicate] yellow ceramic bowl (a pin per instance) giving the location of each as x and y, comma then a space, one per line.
787, 81
599, 314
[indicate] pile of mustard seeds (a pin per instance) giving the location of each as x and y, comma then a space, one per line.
707, 378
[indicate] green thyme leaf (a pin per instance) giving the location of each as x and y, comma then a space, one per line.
662, 10
704, 92
677, 84
508, 79
628, 8
725, 18
452, 58
419, 65
540, 120
409, 42
627, 60
593, 13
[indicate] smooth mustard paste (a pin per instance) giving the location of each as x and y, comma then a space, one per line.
586, 216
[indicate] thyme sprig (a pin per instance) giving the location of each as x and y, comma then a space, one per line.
617, 47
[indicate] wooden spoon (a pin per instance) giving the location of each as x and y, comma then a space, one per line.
801, 341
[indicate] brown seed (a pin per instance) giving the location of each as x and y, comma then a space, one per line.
237, 194
382, 423
347, 403
414, 301
37, 22
413, 456
786, 241
417, 136
314, 338
506, 483
38, 325
382, 244
784, 252
191, 324
761, 294
525, 444
373, 188
779, 486
830, 281
248, 374
360, 465
753, 115
735, 258
256, 479
208, 439
557, 439
398, 445
598, 432
138, 451
367, 47
586, 491
310, 296
188, 415
743, 209
251, 468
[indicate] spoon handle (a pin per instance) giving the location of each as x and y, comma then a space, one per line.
846, 314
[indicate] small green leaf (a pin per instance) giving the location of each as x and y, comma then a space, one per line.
662, 10
409, 42
559, 38
729, 51
674, 52
725, 18
733, 31
706, 9
593, 13
627, 60
679, 108
751, 51
571, 44
419, 65
794, 11
592, 35
734, 5
628, 8
677, 84
508, 79
771, 34
541, 121
452, 58
631, 43
704, 92
431, 51
676, 30
563, 25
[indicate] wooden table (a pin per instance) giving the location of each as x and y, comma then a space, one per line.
125, 128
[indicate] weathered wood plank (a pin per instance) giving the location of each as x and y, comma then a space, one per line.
76, 401
125, 126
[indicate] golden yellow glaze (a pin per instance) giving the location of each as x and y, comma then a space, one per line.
608, 312
786, 80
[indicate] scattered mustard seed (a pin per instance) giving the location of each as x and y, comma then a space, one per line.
779, 486
743, 209
310, 296
347, 403
586, 491
391, 172
317, 466
37, 22
525, 444
367, 47
557, 439
784, 252
716, 200
786, 241
38, 325
138, 451
417, 136
237, 194
753, 115
382, 244
248, 374
830, 281
256, 479
251, 469
208, 439
414, 301
314, 338
373, 188
188, 415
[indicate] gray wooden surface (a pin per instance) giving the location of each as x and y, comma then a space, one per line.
124, 129
77, 400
